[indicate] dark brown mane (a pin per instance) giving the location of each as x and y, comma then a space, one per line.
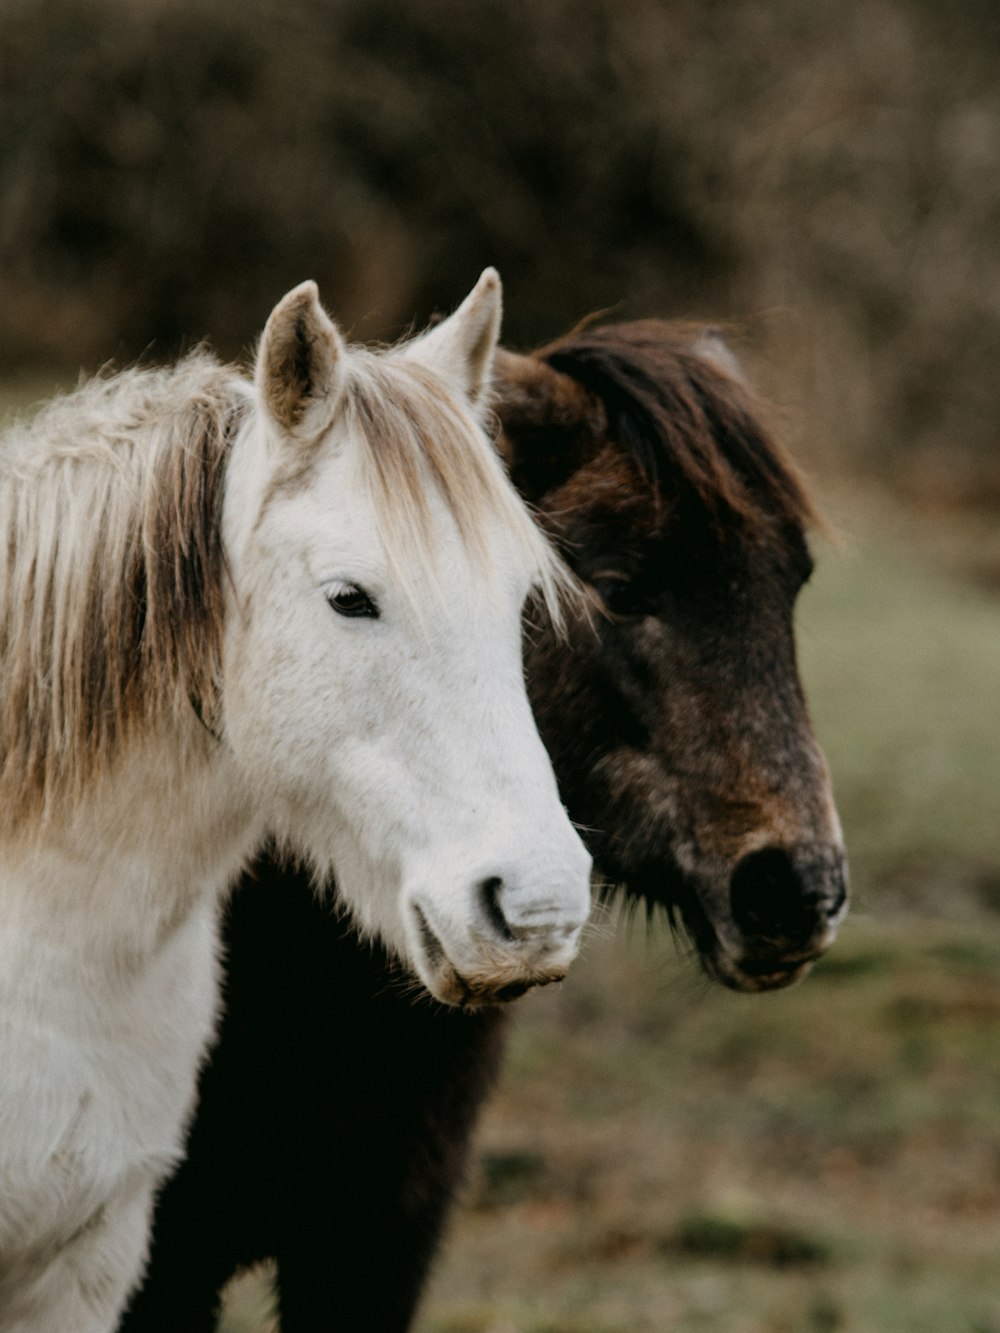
687, 421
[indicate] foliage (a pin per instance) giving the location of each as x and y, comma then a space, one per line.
822, 172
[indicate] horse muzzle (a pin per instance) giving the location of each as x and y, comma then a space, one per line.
782, 912
510, 944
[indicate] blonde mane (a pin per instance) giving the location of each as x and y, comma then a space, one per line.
113, 566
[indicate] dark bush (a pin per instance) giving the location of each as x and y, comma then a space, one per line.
826, 171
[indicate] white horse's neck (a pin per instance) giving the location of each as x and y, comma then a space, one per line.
107, 1000
164, 833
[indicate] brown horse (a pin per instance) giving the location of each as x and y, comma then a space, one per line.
336, 1114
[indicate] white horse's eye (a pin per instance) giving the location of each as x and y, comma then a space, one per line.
350, 600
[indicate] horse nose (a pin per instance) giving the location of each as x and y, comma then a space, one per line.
516, 912
778, 898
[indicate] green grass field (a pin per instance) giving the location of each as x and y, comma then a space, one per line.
663, 1155
902, 664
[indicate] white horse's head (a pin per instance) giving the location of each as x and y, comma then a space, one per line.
372, 688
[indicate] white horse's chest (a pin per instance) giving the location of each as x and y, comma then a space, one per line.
107, 1002
96, 1084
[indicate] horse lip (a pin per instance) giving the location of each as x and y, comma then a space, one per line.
769, 970
751, 973
767, 967
451, 987
751, 979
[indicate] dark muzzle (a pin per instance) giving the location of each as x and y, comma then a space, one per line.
783, 901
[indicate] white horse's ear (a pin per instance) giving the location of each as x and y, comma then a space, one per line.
300, 370
460, 349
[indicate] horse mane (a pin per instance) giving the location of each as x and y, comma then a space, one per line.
687, 419
112, 571
112, 564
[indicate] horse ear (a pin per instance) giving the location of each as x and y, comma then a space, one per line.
546, 419
712, 347
299, 371
461, 347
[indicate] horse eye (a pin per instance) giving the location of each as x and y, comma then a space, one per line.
350, 600
620, 596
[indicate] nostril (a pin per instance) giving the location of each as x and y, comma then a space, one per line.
489, 900
770, 898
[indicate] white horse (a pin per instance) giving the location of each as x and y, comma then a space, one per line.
231, 609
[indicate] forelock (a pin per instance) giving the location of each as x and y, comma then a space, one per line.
418, 439
689, 423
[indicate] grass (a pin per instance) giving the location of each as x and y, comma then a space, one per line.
901, 663
827, 1157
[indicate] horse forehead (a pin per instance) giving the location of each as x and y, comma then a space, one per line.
332, 497
448, 582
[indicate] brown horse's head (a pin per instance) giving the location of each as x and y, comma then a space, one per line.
677, 724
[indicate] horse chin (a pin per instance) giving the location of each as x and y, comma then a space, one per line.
752, 975
747, 969
464, 992
496, 980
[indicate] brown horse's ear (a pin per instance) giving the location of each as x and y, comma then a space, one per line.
712, 347
546, 419
299, 373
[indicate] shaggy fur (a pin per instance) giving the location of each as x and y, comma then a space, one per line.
110, 536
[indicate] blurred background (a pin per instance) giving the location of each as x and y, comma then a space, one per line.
821, 176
